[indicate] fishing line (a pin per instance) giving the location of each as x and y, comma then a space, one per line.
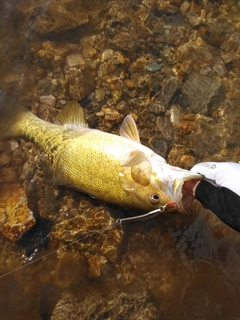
55, 251
119, 221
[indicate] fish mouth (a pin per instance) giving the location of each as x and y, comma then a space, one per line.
180, 206
188, 195
184, 206
185, 203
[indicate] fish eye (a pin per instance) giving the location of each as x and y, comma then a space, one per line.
154, 198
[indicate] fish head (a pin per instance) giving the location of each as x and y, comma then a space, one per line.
152, 184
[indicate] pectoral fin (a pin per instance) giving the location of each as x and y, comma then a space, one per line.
132, 177
126, 181
129, 129
135, 157
141, 174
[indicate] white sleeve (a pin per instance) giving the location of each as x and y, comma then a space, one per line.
225, 174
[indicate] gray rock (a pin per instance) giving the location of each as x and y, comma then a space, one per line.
218, 30
157, 108
165, 127
168, 91
201, 93
159, 146
46, 86
49, 101
154, 67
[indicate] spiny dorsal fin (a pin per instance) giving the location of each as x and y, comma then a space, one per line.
135, 158
129, 129
71, 115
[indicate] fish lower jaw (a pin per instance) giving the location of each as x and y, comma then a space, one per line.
182, 208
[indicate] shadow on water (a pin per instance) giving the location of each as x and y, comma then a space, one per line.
138, 57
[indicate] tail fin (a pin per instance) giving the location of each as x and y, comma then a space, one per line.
11, 113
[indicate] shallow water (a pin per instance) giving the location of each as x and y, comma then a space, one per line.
173, 65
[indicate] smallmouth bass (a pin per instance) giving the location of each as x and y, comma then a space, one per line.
115, 169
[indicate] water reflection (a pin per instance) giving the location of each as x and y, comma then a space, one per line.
174, 65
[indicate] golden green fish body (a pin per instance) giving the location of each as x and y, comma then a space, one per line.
116, 169
92, 161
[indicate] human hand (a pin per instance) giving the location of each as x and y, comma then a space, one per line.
189, 187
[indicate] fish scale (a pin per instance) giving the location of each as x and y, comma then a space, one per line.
97, 171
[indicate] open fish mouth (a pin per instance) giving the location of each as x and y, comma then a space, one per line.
182, 206
185, 203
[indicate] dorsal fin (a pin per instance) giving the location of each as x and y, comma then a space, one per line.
129, 129
71, 115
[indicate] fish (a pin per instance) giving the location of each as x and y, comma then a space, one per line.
113, 168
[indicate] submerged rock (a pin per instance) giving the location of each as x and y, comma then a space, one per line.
201, 93
15, 216
75, 60
116, 306
123, 41
169, 90
81, 82
56, 16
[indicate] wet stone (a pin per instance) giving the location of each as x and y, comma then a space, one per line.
201, 94
175, 115
184, 7
107, 54
186, 126
122, 107
16, 217
89, 53
114, 306
156, 108
165, 127
81, 83
111, 117
13, 144
168, 91
123, 41
118, 58
88, 222
187, 162
217, 30
49, 101
100, 94
59, 16
75, 60
159, 146
46, 86
154, 67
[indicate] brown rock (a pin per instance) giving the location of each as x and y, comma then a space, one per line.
15, 217
186, 126
187, 161
56, 16
81, 83
123, 40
